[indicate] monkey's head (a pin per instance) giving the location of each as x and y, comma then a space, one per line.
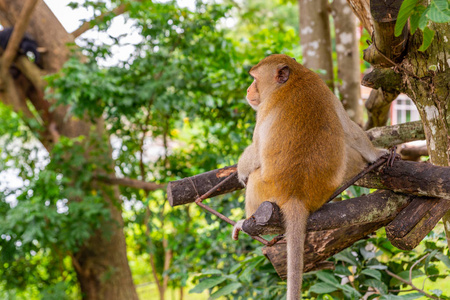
270, 74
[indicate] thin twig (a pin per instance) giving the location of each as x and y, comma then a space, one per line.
129, 182
410, 284
91, 23
415, 264
199, 200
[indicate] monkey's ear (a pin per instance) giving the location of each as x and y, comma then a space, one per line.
282, 74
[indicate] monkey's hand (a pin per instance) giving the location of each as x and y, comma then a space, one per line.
248, 162
237, 227
243, 177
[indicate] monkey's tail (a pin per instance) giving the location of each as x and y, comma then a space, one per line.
296, 216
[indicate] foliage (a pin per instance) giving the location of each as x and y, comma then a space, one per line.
437, 11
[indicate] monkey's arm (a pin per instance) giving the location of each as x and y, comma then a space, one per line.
248, 162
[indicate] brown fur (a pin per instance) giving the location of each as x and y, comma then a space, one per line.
302, 150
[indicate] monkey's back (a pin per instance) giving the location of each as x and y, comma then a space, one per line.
302, 147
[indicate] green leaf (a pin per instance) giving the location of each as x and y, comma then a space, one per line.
342, 270
439, 11
444, 258
405, 12
372, 273
436, 292
207, 284
347, 257
428, 35
377, 267
379, 285
235, 268
350, 291
415, 17
322, 288
245, 275
410, 296
424, 19
226, 290
327, 277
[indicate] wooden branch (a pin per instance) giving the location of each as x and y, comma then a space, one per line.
187, 190
90, 24
31, 71
17, 35
372, 208
411, 152
412, 225
417, 178
387, 49
348, 222
133, 183
388, 136
378, 106
388, 79
361, 8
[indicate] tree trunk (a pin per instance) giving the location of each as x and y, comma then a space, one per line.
347, 49
315, 38
101, 263
429, 85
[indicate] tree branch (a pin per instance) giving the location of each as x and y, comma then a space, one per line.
388, 136
31, 72
361, 8
410, 284
351, 225
416, 178
90, 24
378, 108
386, 48
412, 152
133, 183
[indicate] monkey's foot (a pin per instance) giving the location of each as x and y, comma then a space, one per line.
275, 240
392, 156
236, 228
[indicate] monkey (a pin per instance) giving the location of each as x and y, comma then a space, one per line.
26, 46
304, 147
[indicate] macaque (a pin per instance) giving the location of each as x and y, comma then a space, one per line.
26, 46
304, 147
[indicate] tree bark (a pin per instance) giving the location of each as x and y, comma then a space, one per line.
425, 77
315, 38
378, 106
325, 240
101, 263
347, 50
361, 9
